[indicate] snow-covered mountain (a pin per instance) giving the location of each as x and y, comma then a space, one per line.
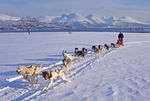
95, 19
130, 20
70, 21
73, 19
125, 21
4, 17
112, 21
46, 19
76, 19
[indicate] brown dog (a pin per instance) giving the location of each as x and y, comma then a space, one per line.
31, 71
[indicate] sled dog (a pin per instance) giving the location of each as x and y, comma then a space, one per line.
80, 53
102, 48
67, 59
95, 49
51, 75
30, 72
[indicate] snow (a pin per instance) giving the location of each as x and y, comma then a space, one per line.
95, 19
119, 75
130, 20
6, 17
112, 20
71, 17
124, 21
46, 19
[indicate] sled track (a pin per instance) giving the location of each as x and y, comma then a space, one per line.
78, 68
11, 80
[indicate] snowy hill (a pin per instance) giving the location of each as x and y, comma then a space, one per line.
119, 75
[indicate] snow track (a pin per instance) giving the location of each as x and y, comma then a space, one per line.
118, 74
78, 69
5, 88
11, 80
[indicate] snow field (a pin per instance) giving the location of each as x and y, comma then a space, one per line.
119, 75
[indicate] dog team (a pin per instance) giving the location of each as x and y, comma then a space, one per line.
32, 72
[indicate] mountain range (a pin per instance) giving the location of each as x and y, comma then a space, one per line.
74, 21
92, 20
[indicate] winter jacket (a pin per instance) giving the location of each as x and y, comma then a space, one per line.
119, 41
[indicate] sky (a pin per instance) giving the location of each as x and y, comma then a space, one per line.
138, 9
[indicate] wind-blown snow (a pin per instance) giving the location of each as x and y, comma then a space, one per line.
120, 75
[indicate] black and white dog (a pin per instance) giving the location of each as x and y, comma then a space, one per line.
80, 53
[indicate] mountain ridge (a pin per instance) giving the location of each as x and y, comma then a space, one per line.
71, 21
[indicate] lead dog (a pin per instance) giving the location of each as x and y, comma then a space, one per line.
51, 75
30, 72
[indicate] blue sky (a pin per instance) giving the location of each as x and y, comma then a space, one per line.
138, 9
